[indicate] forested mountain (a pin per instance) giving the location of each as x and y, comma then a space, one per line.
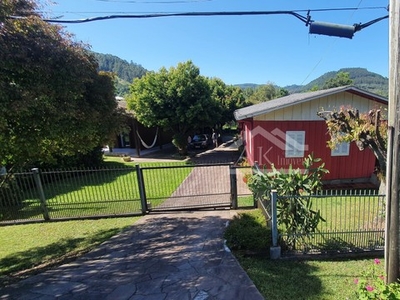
362, 78
126, 71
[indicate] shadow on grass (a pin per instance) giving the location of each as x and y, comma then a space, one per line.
20, 264
282, 279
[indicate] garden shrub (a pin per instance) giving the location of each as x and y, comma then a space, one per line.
248, 231
295, 186
371, 284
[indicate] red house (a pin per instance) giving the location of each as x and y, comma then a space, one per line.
285, 130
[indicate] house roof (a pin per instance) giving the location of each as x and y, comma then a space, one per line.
279, 103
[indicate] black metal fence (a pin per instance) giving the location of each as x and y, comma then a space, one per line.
39, 195
354, 222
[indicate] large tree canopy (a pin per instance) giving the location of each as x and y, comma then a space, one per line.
178, 99
228, 97
53, 102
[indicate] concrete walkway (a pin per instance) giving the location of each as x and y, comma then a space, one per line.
167, 256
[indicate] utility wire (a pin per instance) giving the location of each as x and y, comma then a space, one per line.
305, 19
184, 14
326, 51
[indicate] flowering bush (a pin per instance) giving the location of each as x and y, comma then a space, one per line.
372, 284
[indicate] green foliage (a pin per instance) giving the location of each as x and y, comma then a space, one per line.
10, 193
53, 102
228, 97
248, 231
178, 99
341, 79
367, 130
295, 186
371, 284
125, 71
264, 93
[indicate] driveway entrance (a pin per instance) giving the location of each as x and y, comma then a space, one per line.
207, 186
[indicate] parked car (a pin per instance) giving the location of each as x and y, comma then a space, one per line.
200, 141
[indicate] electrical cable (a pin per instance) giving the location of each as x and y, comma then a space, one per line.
184, 14
295, 10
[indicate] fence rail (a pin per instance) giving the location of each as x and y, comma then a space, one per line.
353, 222
38, 195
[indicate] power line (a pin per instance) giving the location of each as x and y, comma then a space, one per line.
305, 19
295, 10
183, 14
325, 53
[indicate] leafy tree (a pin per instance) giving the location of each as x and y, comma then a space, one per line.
367, 130
266, 92
228, 97
341, 79
53, 102
294, 208
178, 99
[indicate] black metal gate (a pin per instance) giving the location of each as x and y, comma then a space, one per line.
204, 186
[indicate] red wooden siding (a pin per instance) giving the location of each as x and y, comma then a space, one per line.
267, 145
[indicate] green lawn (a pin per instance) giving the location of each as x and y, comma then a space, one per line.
26, 246
308, 280
245, 201
110, 191
290, 278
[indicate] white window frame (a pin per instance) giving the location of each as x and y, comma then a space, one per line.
294, 145
342, 149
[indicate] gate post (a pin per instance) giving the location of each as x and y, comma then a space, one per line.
275, 250
233, 183
42, 197
142, 191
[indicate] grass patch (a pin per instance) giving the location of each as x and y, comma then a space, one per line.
246, 201
284, 278
113, 190
26, 248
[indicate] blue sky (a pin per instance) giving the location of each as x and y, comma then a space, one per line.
237, 49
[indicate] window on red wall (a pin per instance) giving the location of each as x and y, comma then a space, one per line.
294, 146
342, 149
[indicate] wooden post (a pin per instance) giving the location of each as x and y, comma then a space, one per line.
392, 180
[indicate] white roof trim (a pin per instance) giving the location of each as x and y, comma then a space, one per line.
279, 103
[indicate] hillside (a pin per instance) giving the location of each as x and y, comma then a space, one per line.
126, 71
362, 78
